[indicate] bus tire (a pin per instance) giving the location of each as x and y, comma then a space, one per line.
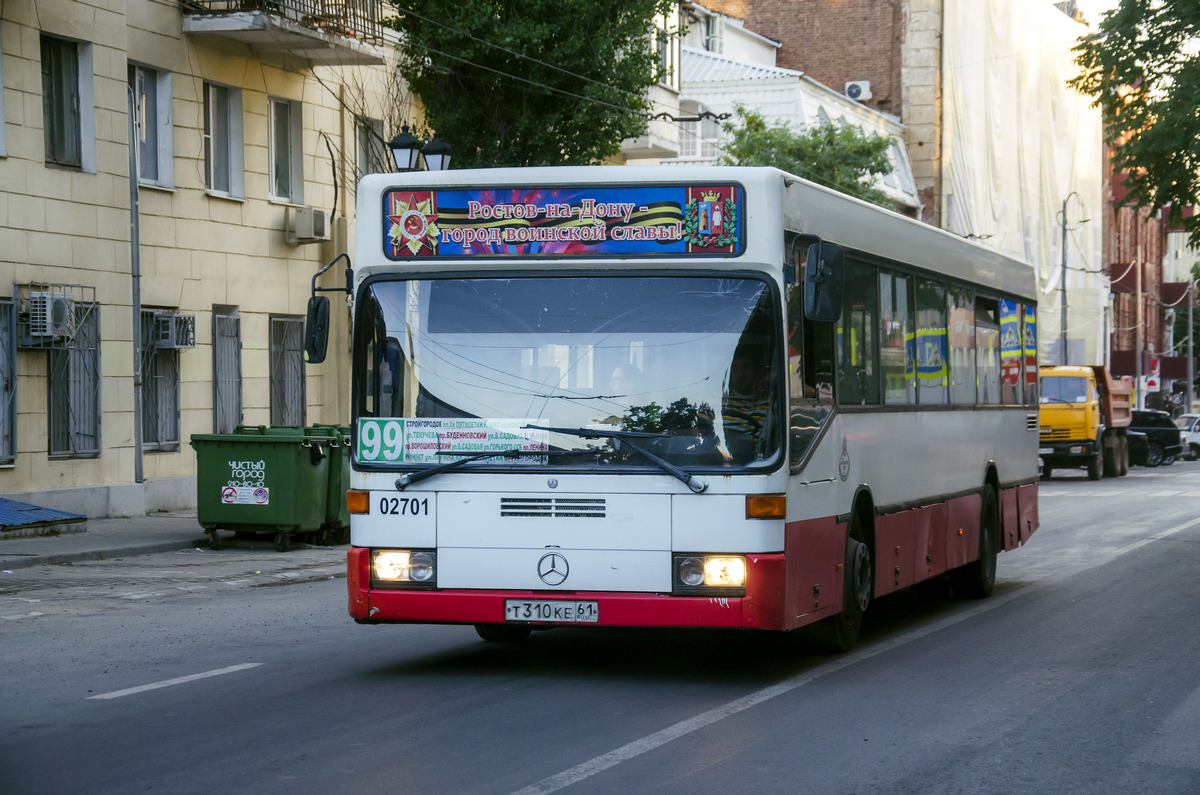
502, 633
1123, 457
976, 579
839, 633
1095, 466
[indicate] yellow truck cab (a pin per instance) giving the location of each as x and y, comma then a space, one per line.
1083, 414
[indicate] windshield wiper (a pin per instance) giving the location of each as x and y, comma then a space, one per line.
410, 478
626, 437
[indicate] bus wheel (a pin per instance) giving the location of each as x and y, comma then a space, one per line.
839, 633
976, 579
1123, 457
1095, 466
502, 633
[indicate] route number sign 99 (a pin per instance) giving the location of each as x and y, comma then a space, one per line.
380, 440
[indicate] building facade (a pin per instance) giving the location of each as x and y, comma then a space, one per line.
250, 123
998, 142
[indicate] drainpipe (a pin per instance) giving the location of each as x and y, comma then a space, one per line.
136, 277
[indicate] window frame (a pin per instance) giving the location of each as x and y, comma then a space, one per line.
8, 381
286, 370
370, 155
78, 422
161, 95
160, 389
3, 149
83, 100
292, 136
230, 139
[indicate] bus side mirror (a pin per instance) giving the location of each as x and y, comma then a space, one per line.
316, 330
823, 276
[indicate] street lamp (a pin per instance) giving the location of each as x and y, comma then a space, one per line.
1063, 283
1191, 363
437, 154
407, 150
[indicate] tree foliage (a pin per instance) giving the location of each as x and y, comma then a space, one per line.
530, 82
1143, 71
840, 157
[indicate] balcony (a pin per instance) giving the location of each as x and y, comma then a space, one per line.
328, 32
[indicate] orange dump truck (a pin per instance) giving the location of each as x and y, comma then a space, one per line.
1084, 413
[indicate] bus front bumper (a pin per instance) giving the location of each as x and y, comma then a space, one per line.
760, 608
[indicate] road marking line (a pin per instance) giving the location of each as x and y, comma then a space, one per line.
178, 681
17, 616
652, 741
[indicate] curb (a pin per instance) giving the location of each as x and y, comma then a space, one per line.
28, 562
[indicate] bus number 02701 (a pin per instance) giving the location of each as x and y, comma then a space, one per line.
404, 506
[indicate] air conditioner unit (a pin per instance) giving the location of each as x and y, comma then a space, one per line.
859, 90
51, 314
173, 330
307, 224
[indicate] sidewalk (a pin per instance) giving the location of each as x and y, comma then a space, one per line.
106, 539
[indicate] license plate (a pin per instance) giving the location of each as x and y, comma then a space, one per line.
557, 611
1045, 450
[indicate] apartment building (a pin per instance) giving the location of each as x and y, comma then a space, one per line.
251, 121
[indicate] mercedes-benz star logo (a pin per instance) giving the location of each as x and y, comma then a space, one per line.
553, 569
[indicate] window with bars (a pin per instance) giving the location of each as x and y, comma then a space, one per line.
74, 388
8, 381
227, 369
287, 370
160, 389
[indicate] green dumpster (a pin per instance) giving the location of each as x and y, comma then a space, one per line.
272, 479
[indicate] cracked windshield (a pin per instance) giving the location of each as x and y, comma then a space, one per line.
678, 366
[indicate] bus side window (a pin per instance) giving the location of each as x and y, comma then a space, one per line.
987, 349
962, 346
857, 337
810, 375
1029, 353
932, 354
1011, 363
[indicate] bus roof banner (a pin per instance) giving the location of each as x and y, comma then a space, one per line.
565, 221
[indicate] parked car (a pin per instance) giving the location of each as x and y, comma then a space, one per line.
1139, 448
1163, 440
1189, 428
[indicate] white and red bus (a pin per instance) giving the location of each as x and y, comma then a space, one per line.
676, 397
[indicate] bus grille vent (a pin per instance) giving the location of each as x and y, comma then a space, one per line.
1031, 422
553, 507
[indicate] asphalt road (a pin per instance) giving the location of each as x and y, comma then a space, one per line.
240, 671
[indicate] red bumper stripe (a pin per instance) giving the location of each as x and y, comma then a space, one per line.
760, 608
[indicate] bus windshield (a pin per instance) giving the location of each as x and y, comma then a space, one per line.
684, 366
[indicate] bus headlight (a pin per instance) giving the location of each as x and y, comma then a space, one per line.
728, 572
403, 567
723, 575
